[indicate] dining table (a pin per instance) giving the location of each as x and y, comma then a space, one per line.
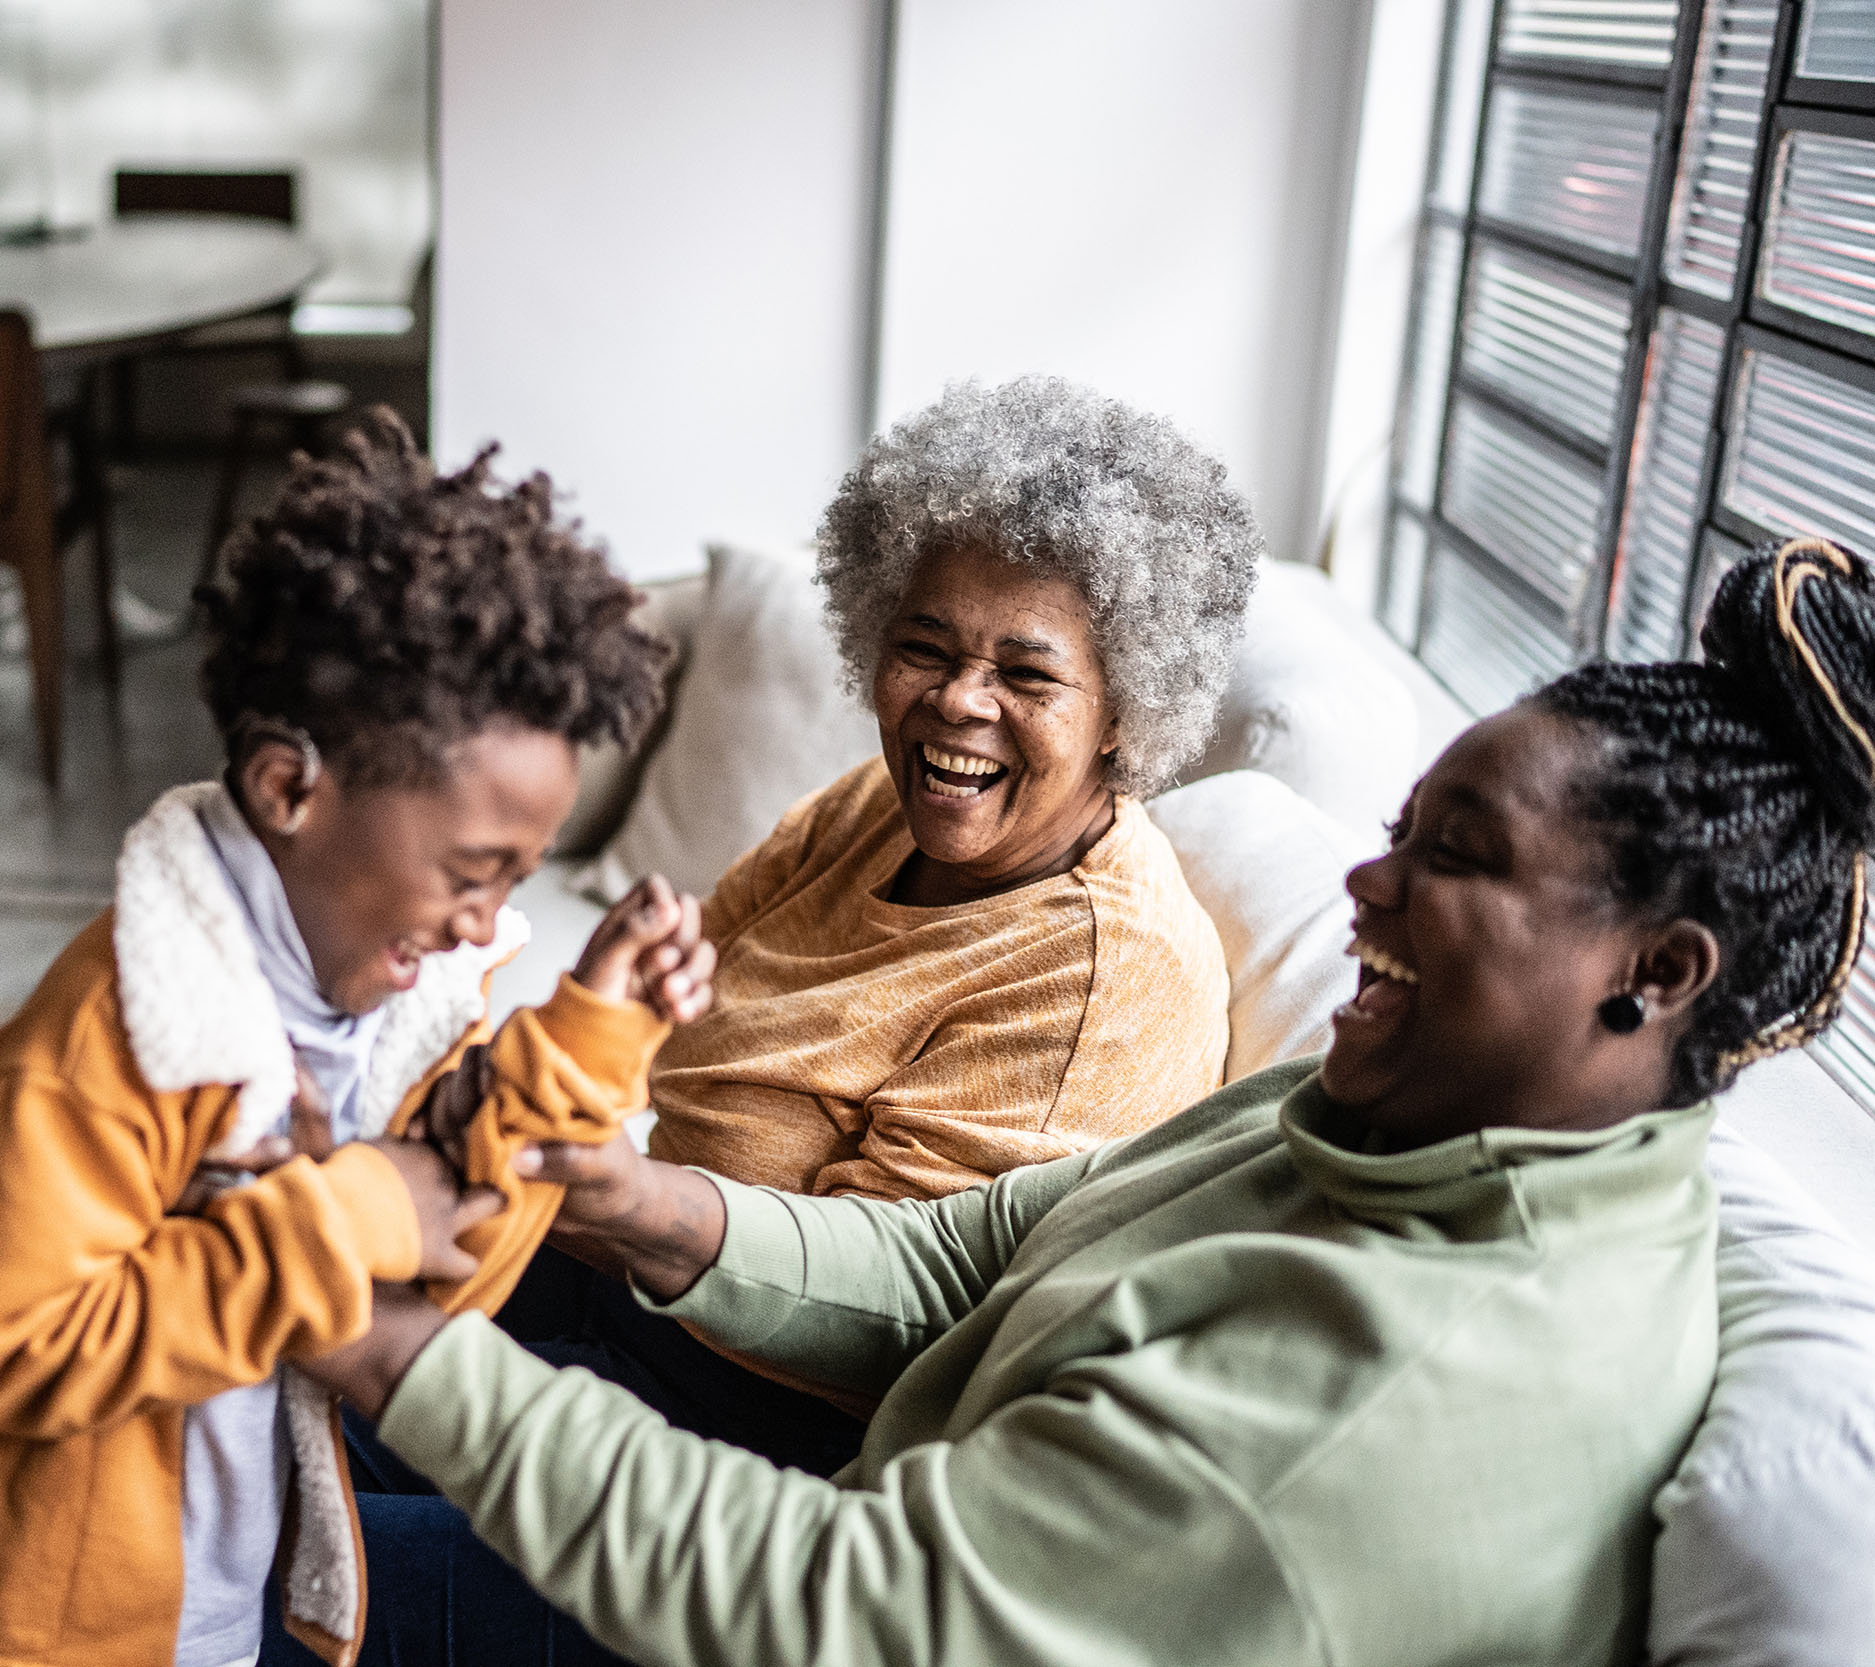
96, 294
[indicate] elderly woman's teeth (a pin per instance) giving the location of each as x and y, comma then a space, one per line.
959, 763
941, 768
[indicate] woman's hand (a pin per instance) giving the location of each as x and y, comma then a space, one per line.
403, 1321
631, 1217
650, 948
444, 1210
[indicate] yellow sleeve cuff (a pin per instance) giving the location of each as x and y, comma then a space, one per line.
377, 1207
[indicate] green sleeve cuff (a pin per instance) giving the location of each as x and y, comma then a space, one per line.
756, 1284
467, 1386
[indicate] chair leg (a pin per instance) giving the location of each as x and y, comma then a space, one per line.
123, 383
94, 496
227, 491
43, 592
30, 547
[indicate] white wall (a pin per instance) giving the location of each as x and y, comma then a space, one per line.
338, 88
1147, 195
651, 265
1383, 221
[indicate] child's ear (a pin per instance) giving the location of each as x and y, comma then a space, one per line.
276, 786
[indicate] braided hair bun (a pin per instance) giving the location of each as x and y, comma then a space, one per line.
1741, 794
1796, 629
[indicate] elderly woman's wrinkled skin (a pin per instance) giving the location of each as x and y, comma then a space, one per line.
995, 725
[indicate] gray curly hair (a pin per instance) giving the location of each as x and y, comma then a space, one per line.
1043, 471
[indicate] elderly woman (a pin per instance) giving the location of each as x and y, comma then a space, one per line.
977, 951
1373, 1359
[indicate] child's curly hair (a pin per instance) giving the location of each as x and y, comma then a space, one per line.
390, 612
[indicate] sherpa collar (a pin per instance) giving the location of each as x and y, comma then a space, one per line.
198, 1011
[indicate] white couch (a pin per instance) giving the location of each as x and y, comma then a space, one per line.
1325, 703
1768, 1548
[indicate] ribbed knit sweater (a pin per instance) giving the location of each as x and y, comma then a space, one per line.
864, 1046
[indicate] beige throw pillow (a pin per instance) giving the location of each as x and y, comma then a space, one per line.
759, 722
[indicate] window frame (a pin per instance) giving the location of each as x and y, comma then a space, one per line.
1749, 320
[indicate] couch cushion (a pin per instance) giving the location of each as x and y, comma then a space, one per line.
759, 721
1767, 1546
1267, 866
608, 774
1312, 705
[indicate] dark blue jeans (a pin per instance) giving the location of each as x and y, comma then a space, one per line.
438, 1596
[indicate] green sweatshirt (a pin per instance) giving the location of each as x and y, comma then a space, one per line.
1225, 1392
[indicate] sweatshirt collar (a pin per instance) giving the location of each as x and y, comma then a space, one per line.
198, 1010
1525, 1170
335, 1045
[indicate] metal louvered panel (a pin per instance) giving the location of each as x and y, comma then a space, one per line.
1458, 133
1712, 193
1530, 505
1481, 642
1720, 555
1635, 32
1549, 338
1800, 457
1417, 458
1406, 569
1847, 1049
1660, 524
1819, 240
1575, 168
1838, 40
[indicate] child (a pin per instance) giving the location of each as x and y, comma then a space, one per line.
402, 665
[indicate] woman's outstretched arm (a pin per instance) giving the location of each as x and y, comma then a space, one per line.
1070, 1527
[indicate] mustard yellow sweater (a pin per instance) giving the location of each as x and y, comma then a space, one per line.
861, 1046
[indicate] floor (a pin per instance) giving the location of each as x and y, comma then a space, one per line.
58, 849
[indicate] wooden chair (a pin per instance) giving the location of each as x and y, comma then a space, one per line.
302, 406
35, 528
245, 194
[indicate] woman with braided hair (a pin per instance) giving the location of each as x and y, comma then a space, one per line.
1742, 793
1376, 1358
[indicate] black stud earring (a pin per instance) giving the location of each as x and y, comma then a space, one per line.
1623, 1014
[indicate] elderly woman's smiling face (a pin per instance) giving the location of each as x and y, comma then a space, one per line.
996, 726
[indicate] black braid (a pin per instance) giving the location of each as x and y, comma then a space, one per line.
1735, 793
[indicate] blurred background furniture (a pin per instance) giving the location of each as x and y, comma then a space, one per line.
74, 306
266, 194
36, 527
299, 404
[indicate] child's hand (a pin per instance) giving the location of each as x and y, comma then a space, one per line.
311, 1123
650, 948
445, 1211
452, 1103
